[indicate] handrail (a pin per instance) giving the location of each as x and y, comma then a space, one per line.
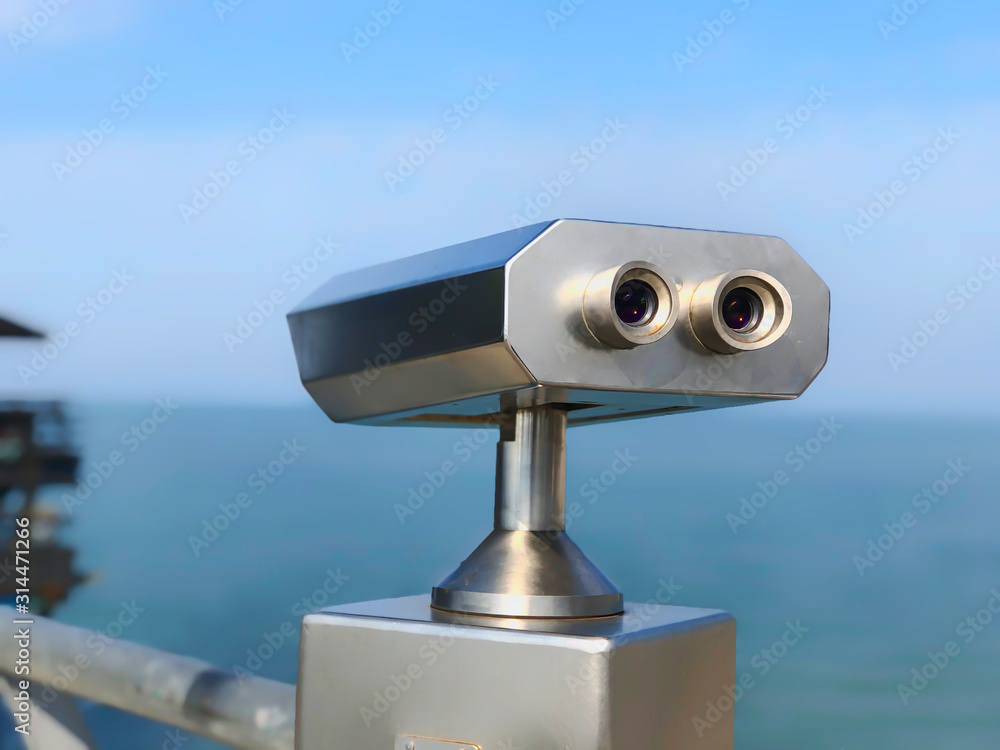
250, 712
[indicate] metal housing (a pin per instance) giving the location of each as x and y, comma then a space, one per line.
395, 673
472, 331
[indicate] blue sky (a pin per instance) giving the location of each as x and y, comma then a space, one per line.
836, 109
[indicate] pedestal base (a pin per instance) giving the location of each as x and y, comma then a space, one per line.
375, 674
528, 574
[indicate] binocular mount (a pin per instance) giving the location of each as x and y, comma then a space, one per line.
533, 330
528, 566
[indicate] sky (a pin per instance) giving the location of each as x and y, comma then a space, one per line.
168, 168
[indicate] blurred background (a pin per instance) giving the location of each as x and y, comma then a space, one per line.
176, 176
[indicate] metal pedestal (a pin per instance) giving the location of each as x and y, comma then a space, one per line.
396, 673
528, 566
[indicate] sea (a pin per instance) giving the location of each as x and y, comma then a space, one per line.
873, 539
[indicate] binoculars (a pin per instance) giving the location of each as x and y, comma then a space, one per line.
535, 330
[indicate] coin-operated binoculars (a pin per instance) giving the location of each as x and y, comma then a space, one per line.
527, 644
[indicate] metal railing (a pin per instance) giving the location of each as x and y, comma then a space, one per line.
252, 713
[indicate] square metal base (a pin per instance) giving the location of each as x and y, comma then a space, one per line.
374, 674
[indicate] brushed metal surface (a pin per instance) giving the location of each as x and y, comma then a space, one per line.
531, 471
528, 574
243, 711
546, 281
375, 671
599, 305
425, 743
528, 566
463, 331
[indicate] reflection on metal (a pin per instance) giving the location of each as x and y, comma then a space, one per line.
500, 323
254, 713
528, 566
531, 471
374, 670
423, 743
526, 644
544, 327
767, 324
600, 299
534, 330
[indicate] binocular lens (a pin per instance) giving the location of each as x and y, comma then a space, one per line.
635, 303
741, 309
